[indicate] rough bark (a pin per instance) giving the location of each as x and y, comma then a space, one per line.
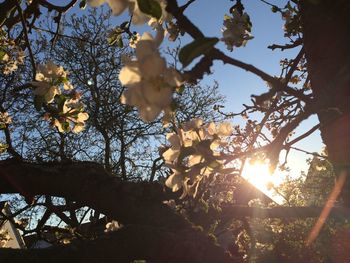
326, 36
156, 245
160, 233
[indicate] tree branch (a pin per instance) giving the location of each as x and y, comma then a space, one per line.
131, 242
340, 213
131, 203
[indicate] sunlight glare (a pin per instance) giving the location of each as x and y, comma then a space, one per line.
258, 174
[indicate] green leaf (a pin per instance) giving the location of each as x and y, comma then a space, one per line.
3, 147
65, 126
38, 102
196, 48
61, 80
124, 25
180, 89
150, 7
120, 42
112, 40
82, 4
2, 54
274, 9
60, 100
227, 17
115, 39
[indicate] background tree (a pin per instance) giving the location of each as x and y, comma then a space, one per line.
114, 135
314, 82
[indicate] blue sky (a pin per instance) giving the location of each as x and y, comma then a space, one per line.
236, 84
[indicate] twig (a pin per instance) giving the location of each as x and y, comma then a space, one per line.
276, 83
294, 66
62, 35
306, 134
32, 61
311, 153
297, 43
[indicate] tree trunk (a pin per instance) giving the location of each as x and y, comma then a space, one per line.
326, 34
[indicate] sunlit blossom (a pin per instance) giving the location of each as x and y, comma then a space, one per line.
236, 30
133, 40
138, 17
112, 226
5, 118
194, 153
68, 114
150, 83
47, 81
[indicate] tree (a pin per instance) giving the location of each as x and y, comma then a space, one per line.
315, 82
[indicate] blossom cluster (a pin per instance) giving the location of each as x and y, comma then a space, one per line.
195, 153
112, 226
4, 238
236, 30
68, 115
291, 17
11, 55
5, 119
150, 83
138, 17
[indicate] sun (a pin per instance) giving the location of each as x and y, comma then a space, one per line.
258, 174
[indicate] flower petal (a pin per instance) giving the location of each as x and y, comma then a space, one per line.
130, 74
118, 6
174, 181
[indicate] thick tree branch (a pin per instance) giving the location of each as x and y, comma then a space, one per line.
230, 212
116, 199
132, 242
131, 203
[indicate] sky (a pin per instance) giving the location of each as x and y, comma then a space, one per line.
236, 84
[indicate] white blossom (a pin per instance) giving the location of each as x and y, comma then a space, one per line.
117, 6
51, 71
236, 30
171, 203
4, 237
150, 83
72, 109
175, 181
11, 54
5, 118
138, 17
194, 153
68, 114
46, 90
133, 40
47, 81
112, 226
